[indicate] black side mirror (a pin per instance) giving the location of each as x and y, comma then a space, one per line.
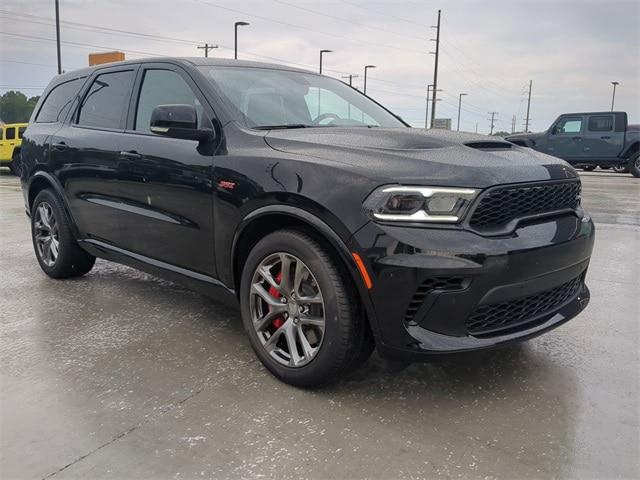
178, 121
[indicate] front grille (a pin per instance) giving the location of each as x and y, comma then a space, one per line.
501, 316
429, 285
498, 207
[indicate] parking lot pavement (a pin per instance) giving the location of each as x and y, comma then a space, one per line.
122, 375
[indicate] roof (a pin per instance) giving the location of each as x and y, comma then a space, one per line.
193, 61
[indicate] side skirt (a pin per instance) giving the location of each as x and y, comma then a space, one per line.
199, 282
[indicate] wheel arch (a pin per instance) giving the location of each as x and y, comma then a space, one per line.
631, 150
42, 180
266, 220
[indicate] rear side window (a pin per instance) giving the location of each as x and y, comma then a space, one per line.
11, 133
1, 133
601, 123
21, 131
105, 104
58, 102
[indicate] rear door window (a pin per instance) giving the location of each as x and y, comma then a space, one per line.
105, 104
600, 123
11, 133
21, 132
58, 101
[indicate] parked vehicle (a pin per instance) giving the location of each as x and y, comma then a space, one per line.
10, 144
334, 226
588, 140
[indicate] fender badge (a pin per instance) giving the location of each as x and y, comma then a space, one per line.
226, 184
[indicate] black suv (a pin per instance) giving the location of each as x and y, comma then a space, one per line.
333, 225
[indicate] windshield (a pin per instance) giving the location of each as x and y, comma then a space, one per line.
284, 99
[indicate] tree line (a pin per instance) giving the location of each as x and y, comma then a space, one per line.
15, 107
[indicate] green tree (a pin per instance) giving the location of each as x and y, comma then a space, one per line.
15, 107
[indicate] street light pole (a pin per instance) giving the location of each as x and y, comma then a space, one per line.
366, 67
58, 37
235, 42
613, 98
459, 106
322, 52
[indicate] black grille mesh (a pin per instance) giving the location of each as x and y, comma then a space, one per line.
500, 316
429, 285
500, 206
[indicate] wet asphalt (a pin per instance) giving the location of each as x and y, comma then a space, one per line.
121, 375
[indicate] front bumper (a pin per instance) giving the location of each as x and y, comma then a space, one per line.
438, 290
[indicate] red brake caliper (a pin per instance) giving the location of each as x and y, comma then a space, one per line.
273, 291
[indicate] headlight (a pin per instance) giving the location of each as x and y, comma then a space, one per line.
419, 204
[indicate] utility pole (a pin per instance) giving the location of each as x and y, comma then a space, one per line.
235, 38
613, 98
526, 120
513, 124
459, 106
350, 77
366, 67
426, 118
58, 37
476, 127
493, 116
435, 71
206, 47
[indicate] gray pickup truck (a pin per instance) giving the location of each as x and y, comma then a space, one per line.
588, 140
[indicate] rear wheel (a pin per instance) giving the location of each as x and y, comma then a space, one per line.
588, 168
57, 251
300, 310
622, 168
634, 165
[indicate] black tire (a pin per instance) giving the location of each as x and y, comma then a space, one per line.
589, 168
622, 168
14, 166
71, 260
346, 341
634, 165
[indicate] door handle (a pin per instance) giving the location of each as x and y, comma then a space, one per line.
59, 147
576, 138
130, 155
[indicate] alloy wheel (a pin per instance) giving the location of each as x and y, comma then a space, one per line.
287, 309
46, 234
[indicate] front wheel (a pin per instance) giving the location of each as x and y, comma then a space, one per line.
634, 165
57, 251
300, 310
622, 168
588, 168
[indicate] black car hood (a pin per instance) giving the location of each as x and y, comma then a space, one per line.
438, 157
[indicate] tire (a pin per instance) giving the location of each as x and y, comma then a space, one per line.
634, 165
622, 168
605, 167
49, 220
342, 343
589, 168
15, 166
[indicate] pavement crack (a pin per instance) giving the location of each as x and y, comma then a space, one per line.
123, 434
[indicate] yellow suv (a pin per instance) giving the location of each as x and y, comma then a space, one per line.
10, 142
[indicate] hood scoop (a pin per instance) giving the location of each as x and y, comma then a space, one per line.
489, 145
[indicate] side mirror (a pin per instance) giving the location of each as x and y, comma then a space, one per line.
178, 121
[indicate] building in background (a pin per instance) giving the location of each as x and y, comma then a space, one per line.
105, 57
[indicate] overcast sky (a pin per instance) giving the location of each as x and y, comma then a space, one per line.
571, 49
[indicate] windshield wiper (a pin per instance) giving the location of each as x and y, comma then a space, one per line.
282, 127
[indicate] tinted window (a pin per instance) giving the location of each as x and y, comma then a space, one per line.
1, 133
11, 133
58, 102
569, 125
602, 123
21, 131
105, 104
163, 87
